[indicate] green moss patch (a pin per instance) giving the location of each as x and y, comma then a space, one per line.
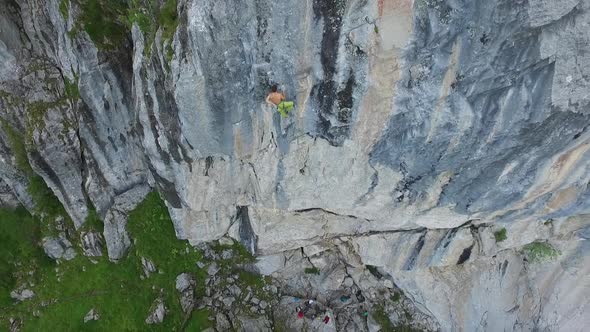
500, 235
18, 147
149, 16
312, 270
104, 22
537, 252
63, 8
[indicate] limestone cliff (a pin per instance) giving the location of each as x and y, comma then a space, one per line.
421, 130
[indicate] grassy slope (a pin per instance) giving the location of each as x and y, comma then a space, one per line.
116, 291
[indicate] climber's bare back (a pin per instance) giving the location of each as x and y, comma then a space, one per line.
275, 97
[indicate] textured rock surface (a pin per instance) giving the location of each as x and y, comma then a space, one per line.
185, 284
91, 315
420, 129
22, 294
92, 243
58, 248
157, 312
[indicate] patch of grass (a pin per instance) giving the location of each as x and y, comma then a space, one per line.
537, 252
92, 222
376, 29
251, 279
500, 235
101, 19
19, 251
35, 114
149, 16
396, 297
63, 8
169, 52
71, 89
116, 291
45, 200
312, 270
199, 321
168, 19
18, 147
382, 319
241, 254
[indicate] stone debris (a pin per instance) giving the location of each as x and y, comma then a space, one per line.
213, 269
91, 315
185, 284
148, 267
58, 248
22, 294
157, 312
92, 244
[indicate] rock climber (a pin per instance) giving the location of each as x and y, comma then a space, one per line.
278, 99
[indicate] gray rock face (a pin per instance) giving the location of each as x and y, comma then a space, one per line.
115, 222
22, 294
420, 128
222, 323
185, 284
92, 244
91, 315
58, 248
148, 267
157, 312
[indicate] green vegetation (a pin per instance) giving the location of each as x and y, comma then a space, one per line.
374, 271
17, 145
500, 235
382, 319
65, 292
35, 113
149, 16
312, 270
63, 8
396, 297
108, 22
92, 222
19, 253
232, 267
101, 19
537, 252
168, 19
376, 28
71, 89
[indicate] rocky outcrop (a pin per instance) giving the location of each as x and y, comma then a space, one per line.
91, 315
58, 248
22, 294
185, 285
115, 221
92, 244
157, 312
421, 128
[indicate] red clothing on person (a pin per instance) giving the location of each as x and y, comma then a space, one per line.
300, 314
326, 319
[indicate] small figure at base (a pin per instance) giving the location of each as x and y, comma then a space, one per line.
278, 99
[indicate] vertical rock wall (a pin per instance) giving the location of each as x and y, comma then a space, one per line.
420, 129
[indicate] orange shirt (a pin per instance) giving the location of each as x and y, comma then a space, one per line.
275, 97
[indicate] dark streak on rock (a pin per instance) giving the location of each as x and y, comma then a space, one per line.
465, 255
247, 236
324, 91
411, 262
